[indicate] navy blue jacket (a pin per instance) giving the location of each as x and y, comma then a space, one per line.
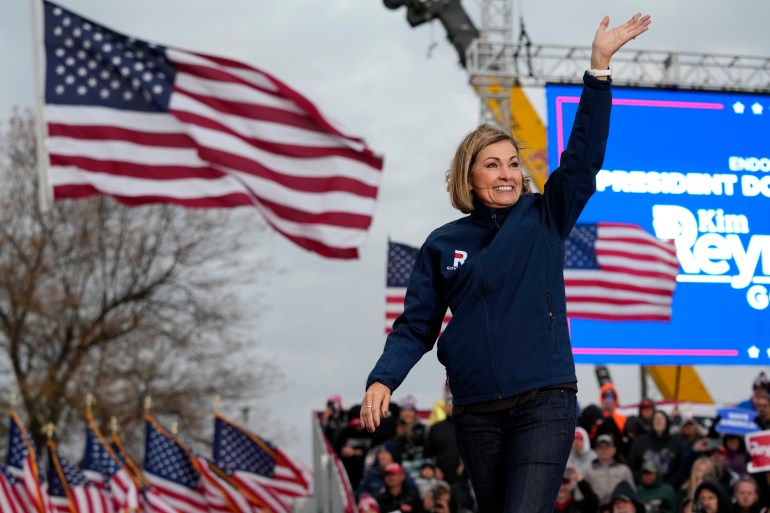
508, 332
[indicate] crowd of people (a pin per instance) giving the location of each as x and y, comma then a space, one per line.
409, 464
651, 461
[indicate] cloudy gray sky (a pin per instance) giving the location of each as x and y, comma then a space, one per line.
404, 91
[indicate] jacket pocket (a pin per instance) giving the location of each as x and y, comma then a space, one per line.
551, 320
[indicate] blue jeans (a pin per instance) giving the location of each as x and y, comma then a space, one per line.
515, 458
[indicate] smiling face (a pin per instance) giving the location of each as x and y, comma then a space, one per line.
496, 176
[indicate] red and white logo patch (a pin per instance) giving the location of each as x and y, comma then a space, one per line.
460, 257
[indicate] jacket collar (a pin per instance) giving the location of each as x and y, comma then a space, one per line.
488, 215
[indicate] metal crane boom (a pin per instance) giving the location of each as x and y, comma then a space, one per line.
489, 52
539, 64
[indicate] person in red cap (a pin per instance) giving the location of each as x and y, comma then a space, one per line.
642, 423
396, 496
581, 455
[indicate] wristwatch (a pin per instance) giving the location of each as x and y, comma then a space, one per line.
600, 72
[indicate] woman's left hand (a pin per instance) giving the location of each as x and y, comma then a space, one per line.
375, 405
607, 42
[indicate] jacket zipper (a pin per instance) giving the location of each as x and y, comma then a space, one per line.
551, 319
488, 333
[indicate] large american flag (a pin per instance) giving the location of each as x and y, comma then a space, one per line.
619, 272
265, 474
612, 271
103, 467
69, 490
170, 472
22, 464
147, 123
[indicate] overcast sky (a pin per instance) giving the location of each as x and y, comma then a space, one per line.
402, 89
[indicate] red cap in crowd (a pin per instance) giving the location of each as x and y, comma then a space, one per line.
647, 403
393, 468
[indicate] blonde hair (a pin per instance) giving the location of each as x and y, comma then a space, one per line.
458, 176
692, 483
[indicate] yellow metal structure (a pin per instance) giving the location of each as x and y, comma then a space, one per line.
679, 383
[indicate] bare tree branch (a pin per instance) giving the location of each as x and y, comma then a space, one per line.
119, 302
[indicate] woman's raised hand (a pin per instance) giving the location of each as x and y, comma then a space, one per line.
607, 42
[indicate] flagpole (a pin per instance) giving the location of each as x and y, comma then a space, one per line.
44, 193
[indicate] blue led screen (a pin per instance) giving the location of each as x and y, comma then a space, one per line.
693, 167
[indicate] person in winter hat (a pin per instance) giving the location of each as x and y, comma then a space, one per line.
760, 387
625, 500
657, 495
581, 455
710, 497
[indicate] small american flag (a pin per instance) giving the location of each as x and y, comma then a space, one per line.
150, 498
220, 494
69, 490
213, 493
147, 123
170, 472
265, 474
22, 464
619, 272
103, 467
401, 260
11, 500
153, 502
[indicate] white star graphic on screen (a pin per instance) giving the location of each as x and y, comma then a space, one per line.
738, 107
768, 352
753, 352
756, 108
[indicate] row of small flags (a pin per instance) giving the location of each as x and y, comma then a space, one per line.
246, 474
